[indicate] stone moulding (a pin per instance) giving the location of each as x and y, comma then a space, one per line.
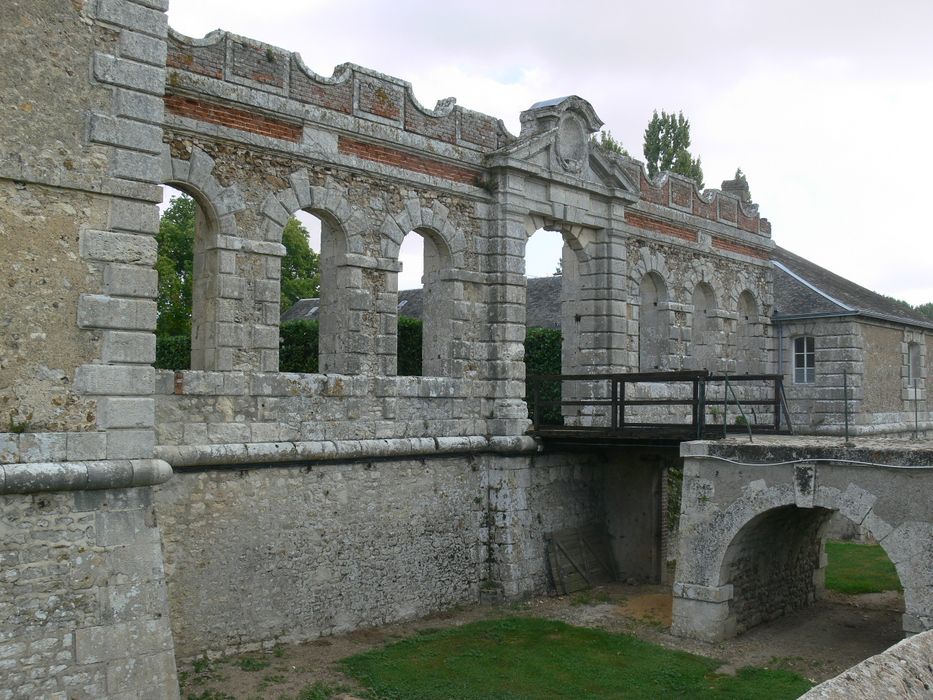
238, 454
80, 476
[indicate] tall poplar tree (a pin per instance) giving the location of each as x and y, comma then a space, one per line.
667, 147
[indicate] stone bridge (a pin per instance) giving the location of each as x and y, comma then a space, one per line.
751, 546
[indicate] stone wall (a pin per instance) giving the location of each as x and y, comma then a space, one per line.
256, 556
904, 671
874, 357
85, 610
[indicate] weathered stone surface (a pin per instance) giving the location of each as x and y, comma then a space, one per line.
903, 672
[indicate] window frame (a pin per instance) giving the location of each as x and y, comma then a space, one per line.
914, 364
805, 359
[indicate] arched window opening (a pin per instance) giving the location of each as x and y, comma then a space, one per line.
703, 339
300, 299
427, 321
653, 323
183, 340
748, 358
550, 274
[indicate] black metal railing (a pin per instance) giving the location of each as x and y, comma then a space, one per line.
682, 404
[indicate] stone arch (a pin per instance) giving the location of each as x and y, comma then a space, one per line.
782, 527
705, 273
343, 264
444, 257
431, 221
328, 202
576, 237
215, 256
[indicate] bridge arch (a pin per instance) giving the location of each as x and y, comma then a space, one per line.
755, 551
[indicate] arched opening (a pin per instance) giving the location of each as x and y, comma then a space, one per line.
300, 294
748, 359
185, 338
780, 562
654, 328
426, 320
703, 341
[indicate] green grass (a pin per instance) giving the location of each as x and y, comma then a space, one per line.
859, 568
533, 659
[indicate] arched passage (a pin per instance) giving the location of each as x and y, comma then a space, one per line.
426, 262
751, 537
774, 564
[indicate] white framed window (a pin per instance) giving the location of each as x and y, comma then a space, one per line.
804, 360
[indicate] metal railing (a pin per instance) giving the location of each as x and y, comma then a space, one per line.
688, 404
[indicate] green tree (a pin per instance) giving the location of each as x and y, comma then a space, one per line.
608, 143
926, 309
301, 277
740, 177
667, 147
174, 264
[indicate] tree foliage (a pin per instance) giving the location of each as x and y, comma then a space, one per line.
740, 177
301, 277
926, 309
667, 147
174, 264
608, 143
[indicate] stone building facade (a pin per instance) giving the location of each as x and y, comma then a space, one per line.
147, 513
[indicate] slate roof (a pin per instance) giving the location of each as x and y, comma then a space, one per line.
803, 289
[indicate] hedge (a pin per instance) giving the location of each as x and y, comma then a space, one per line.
173, 352
298, 346
542, 356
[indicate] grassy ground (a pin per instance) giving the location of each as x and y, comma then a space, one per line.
859, 568
530, 658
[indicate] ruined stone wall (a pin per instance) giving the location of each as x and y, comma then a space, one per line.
83, 586
259, 555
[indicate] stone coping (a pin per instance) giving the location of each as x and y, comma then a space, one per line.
877, 450
233, 454
81, 476
903, 671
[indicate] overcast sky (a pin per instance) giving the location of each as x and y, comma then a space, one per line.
827, 106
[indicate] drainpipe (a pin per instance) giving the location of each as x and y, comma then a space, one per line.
780, 354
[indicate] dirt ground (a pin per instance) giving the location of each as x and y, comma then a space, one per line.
818, 642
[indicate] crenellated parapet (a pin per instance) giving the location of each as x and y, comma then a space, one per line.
351, 90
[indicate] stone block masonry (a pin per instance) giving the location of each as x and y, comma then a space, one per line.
84, 597
292, 553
